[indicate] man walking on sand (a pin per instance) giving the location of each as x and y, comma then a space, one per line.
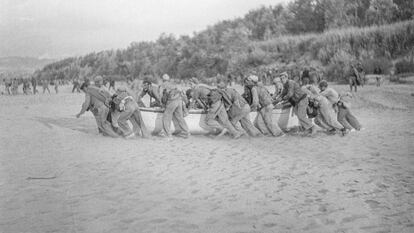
34, 84
45, 85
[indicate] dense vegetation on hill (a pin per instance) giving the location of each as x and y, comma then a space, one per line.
325, 34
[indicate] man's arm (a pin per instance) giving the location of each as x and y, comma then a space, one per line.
85, 105
255, 98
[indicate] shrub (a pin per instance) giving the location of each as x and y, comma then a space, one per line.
339, 67
404, 66
383, 63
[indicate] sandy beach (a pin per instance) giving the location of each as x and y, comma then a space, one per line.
58, 175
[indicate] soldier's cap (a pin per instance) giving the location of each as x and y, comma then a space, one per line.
323, 83
277, 80
165, 77
284, 74
253, 78
98, 78
194, 80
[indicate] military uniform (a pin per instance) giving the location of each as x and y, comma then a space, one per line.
94, 101
125, 108
262, 101
326, 116
293, 93
153, 92
172, 100
345, 116
199, 96
217, 118
331, 95
239, 111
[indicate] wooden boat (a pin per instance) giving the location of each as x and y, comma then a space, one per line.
153, 119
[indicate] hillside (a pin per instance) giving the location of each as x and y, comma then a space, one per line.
303, 33
23, 64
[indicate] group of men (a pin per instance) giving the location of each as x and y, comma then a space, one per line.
227, 111
29, 86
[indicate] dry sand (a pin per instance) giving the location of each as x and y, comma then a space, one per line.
363, 182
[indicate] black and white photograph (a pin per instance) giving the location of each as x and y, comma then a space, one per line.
206, 116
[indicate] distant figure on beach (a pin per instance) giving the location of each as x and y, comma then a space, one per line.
14, 86
76, 85
26, 87
56, 82
378, 72
355, 78
45, 85
34, 85
4, 90
8, 87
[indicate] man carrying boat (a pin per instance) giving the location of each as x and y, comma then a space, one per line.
238, 109
199, 93
124, 108
217, 118
262, 102
293, 94
153, 91
172, 100
95, 100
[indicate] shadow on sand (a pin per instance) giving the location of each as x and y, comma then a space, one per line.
88, 126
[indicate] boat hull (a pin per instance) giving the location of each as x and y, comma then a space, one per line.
153, 119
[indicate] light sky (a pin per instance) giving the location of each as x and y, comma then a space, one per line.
62, 28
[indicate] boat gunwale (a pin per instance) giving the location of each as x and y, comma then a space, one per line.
199, 111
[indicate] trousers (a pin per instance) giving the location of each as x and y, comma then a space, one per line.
174, 112
133, 114
239, 117
300, 111
100, 114
347, 119
217, 119
264, 121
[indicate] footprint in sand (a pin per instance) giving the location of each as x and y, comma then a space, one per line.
353, 218
372, 203
269, 225
158, 220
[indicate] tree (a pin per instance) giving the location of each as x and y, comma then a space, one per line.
381, 12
